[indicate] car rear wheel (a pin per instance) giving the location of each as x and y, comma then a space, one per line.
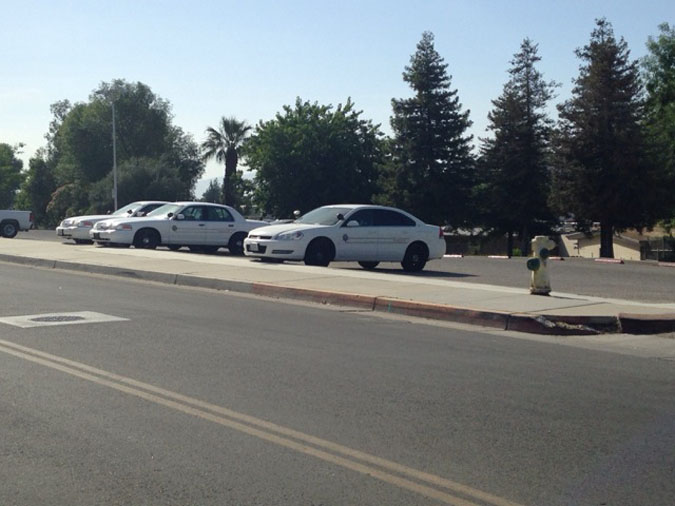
146, 239
369, 266
9, 229
318, 253
236, 244
415, 257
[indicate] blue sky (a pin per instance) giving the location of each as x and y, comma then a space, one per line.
249, 59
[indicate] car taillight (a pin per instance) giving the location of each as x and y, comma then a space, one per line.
440, 232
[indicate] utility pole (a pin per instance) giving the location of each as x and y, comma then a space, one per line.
114, 140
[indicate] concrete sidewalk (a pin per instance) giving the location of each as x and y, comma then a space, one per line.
415, 295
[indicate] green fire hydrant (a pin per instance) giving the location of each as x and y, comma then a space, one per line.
541, 250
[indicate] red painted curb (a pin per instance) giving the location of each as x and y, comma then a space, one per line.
320, 296
494, 319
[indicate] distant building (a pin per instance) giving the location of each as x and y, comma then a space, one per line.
580, 244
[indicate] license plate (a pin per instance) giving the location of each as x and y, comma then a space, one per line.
253, 246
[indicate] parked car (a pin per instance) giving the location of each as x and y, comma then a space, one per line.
77, 227
11, 222
367, 234
198, 225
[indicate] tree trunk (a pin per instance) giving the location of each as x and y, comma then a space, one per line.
606, 240
525, 241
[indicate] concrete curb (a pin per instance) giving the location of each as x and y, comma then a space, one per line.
520, 322
646, 324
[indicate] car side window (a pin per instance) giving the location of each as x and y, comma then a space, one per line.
389, 218
218, 214
193, 213
150, 207
363, 216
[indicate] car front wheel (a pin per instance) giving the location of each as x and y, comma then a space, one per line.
318, 253
146, 239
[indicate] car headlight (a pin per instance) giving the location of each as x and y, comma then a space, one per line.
123, 226
290, 236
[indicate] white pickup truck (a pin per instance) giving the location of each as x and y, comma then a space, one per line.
13, 221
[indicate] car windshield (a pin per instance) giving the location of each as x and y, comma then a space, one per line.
323, 216
128, 209
164, 210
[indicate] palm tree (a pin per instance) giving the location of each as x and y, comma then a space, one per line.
223, 145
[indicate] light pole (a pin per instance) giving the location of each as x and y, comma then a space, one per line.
114, 191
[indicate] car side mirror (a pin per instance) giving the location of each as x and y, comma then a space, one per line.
340, 216
353, 223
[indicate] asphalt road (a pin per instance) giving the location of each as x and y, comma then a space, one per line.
207, 398
639, 281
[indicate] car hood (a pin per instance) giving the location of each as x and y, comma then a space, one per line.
273, 230
136, 221
91, 217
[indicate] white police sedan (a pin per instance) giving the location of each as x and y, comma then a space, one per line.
367, 234
77, 227
199, 225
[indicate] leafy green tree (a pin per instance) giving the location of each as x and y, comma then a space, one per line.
514, 163
224, 144
659, 75
430, 168
36, 191
214, 192
11, 176
602, 172
311, 155
139, 179
80, 147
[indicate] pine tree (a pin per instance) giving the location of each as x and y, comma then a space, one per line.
431, 165
514, 163
601, 171
659, 75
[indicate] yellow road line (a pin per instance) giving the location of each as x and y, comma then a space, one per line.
216, 414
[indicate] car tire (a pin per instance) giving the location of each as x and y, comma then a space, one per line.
319, 253
415, 258
236, 244
369, 266
146, 238
9, 229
